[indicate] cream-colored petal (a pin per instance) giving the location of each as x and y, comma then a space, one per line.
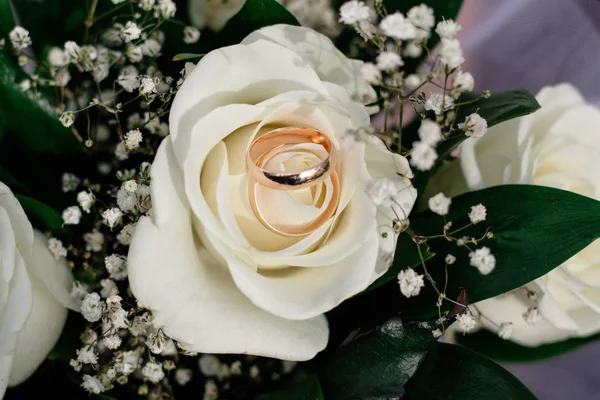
192, 295
20, 223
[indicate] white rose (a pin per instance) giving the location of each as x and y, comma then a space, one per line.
558, 146
215, 279
34, 294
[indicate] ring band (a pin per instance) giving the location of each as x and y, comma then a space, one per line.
269, 144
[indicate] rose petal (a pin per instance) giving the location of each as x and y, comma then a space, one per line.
23, 231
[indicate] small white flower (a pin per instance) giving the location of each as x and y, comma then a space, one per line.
19, 37
483, 260
423, 156
100, 71
75, 364
88, 336
147, 86
116, 266
124, 237
146, 5
505, 331
130, 186
130, 32
69, 182
450, 259
422, 16
67, 119
370, 73
413, 81
57, 57
86, 355
165, 9
447, 29
430, 132
94, 240
85, 200
381, 189
389, 61
109, 288
466, 321
353, 12
92, 384
25, 85
71, 215
128, 78
112, 216
72, 51
440, 204
78, 291
532, 315
190, 34
56, 248
151, 48
156, 341
438, 103
451, 53
153, 371
478, 213
133, 139
436, 333
134, 53
463, 81
410, 282
92, 307
474, 126
211, 391
413, 50
121, 151
398, 27
129, 362
183, 376
209, 365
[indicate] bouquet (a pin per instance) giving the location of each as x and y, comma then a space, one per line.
301, 199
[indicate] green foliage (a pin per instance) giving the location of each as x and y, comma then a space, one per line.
301, 387
255, 14
451, 372
41, 215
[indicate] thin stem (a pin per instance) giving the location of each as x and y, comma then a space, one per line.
90, 19
400, 116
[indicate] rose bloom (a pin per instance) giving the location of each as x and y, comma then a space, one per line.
558, 146
34, 294
214, 277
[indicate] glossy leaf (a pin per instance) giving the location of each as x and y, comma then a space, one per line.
187, 56
255, 14
377, 364
490, 345
498, 108
301, 387
450, 372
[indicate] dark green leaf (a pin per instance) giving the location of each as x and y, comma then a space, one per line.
32, 121
11, 181
451, 372
490, 345
255, 14
406, 256
536, 229
498, 108
377, 364
41, 215
301, 387
187, 56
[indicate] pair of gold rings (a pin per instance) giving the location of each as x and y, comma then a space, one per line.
280, 141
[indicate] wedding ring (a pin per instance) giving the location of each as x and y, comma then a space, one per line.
280, 141
271, 142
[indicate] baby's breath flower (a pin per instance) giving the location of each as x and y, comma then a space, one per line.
116, 266
85, 200
440, 204
128, 363
67, 119
151, 48
353, 12
153, 371
19, 38
466, 321
78, 291
71, 215
92, 307
450, 259
69, 182
109, 288
128, 78
413, 50
412, 81
430, 132
447, 29
380, 189
190, 34
436, 101
133, 139
147, 86
474, 126
92, 384
532, 315
146, 5
483, 260
370, 73
211, 392
505, 331
451, 53
183, 376
112, 217
56, 248
463, 81
410, 282
57, 57
165, 9
130, 32
436, 333
86, 355
156, 341
72, 51
423, 156
124, 237
209, 365
94, 240
121, 151
478, 213
389, 61
112, 342
134, 54
422, 16
398, 27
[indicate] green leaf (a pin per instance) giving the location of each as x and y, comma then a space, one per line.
406, 256
490, 345
255, 14
498, 108
535, 230
187, 56
41, 215
377, 364
451, 372
33, 122
301, 387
